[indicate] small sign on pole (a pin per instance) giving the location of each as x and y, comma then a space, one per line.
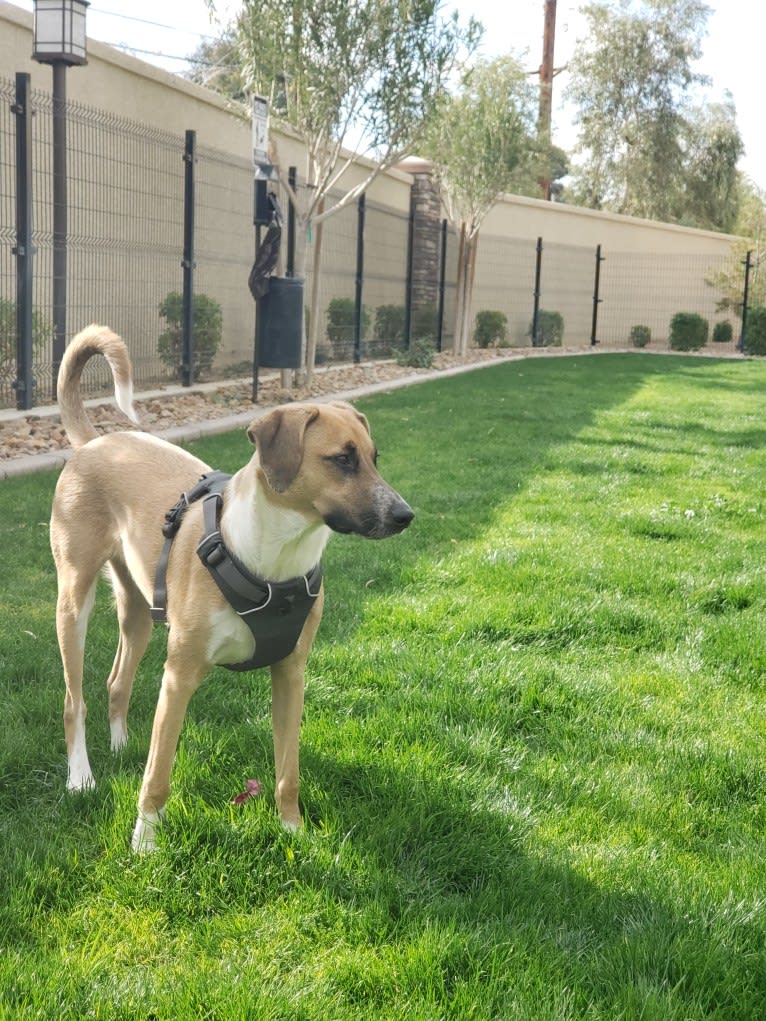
260, 131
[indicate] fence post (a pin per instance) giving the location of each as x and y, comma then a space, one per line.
25, 381
748, 264
187, 360
536, 307
410, 270
358, 307
442, 278
292, 180
596, 298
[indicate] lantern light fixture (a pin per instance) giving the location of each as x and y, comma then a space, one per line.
59, 33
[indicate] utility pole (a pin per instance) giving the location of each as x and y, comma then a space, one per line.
546, 96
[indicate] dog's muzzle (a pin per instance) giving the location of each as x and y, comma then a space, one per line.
388, 515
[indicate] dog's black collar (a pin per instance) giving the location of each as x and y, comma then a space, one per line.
274, 611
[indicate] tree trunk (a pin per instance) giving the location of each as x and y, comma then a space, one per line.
465, 278
314, 324
459, 290
472, 245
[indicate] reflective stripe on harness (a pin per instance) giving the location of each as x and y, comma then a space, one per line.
274, 611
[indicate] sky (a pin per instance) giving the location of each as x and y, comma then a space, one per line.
165, 33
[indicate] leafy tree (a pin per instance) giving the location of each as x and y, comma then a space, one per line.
368, 70
711, 184
481, 143
750, 228
645, 151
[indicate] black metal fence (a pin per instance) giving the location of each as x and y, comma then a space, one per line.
127, 211
128, 204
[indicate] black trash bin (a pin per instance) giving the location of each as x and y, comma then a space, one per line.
279, 340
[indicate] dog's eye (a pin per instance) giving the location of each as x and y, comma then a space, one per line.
345, 461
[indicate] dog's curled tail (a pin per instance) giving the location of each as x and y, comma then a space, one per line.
93, 340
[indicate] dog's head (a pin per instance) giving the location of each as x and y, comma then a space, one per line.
320, 458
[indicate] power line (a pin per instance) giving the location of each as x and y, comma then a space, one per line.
197, 61
154, 24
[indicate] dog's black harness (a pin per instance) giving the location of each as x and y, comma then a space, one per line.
275, 611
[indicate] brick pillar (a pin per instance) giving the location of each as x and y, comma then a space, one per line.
426, 233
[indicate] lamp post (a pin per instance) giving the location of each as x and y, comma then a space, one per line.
59, 40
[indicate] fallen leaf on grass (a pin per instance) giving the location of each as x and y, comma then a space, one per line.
254, 788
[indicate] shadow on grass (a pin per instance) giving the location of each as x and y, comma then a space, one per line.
435, 856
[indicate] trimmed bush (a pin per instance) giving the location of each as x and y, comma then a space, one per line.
755, 335
550, 329
722, 332
42, 342
640, 336
389, 328
490, 328
208, 327
419, 355
688, 331
341, 319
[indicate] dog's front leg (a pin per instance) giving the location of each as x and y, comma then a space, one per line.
286, 711
287, 683
179, 682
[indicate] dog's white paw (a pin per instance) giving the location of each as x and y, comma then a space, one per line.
119, 734
80, 780
145, 833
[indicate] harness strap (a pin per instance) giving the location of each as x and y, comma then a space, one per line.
209, 482
159, 610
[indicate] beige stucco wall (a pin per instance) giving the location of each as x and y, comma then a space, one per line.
520, 217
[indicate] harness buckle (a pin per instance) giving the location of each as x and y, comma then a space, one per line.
212, 550
173, 517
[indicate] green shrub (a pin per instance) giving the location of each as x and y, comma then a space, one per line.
550, 329
490, 327
42, 342
640, 336
425, 323
722, 332
755, 334
389, 328
688, 331
208, 327
419, 355
341, 319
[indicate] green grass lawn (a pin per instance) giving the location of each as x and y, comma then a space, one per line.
533, 761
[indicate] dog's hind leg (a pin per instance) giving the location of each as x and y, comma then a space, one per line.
77, 591
135, 630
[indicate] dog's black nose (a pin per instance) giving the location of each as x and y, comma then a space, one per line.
402, 513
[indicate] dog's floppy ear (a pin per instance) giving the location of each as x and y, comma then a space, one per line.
278, 438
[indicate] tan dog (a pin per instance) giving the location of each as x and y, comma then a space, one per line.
313, 472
